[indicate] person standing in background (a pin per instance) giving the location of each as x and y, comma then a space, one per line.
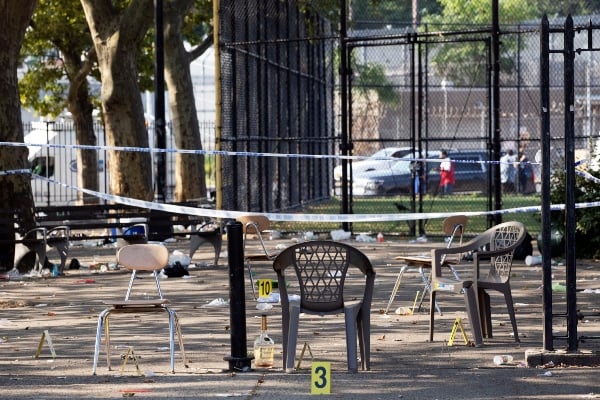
446, 174
525, 174
508, 172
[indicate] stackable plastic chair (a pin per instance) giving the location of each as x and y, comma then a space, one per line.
140, 257
496, 245
493, 273
321, 284
255, 225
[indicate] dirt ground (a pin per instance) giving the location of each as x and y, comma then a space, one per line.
404, 363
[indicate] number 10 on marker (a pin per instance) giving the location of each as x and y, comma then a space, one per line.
264, 287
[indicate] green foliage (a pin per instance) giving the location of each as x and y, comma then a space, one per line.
564, 8
378, 14
58, 32
464, 63
42, 88
587, 219
372, 76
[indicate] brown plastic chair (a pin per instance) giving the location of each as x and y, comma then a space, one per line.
325, 286
140, 257
255, 225
454, 228
497, 244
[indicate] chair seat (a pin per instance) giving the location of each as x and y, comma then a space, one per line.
137, 303
260, 256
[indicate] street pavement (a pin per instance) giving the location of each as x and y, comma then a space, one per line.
404, 364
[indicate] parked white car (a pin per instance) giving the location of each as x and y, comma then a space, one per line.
380, 160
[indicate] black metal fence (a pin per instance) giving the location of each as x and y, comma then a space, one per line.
277, 79
425, 90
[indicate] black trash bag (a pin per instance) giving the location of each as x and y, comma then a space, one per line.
175, 271
525, 248
74, 264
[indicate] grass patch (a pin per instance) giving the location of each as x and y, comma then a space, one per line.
430, 204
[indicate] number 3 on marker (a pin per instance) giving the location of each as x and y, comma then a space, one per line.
320, 378
264, 287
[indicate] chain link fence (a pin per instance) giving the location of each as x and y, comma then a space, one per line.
418, 92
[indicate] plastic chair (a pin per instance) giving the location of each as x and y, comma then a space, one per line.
325, 287
40, 240
497, 244
140, 257
454, 228
255, 225
493, 273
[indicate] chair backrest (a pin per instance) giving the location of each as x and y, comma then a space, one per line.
321, 268
503, 239
144, 257
454, 226
254, 223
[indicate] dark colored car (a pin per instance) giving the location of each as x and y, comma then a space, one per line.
470, 171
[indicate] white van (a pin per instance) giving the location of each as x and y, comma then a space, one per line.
58, 163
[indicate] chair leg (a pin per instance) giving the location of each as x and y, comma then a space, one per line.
485, 313
172, 337
473, 312
351, 327
99, 329
364, 339
292, 336
427, 288
180, 339
107, 339
396, 287
511, 313
249, 267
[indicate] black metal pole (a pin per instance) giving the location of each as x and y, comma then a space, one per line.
159, 101
546, 215
421, 170
413, 133
496, 106
345, 145
238, 360
570, 218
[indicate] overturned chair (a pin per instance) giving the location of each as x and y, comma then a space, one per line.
140, 257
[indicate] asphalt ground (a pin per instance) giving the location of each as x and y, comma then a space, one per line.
404, 364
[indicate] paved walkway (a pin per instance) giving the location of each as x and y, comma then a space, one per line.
404, 364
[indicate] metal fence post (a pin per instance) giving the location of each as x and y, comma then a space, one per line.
238, 360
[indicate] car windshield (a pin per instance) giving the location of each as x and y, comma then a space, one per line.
401, 167
388, 152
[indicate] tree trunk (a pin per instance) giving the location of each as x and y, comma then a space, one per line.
189, 168
15, 192
117, 36
81, 108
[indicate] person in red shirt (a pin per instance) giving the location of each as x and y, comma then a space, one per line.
446, 174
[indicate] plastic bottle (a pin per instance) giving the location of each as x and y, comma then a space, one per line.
264, 347
502, 359
533, 260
